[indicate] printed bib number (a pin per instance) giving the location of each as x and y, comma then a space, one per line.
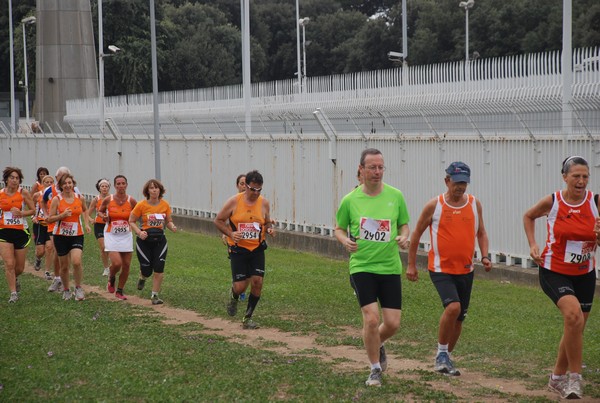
579, 251
375, 230
9, 219
119, 227
249, 230
156, 220
68, 228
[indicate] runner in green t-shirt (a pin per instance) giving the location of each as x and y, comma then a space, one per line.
372, 222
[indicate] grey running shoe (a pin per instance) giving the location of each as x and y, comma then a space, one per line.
232, 306
48, 276
106, 271
558, 385
38, 264
248, 323
56, 285
141, 284
14, 297
67, 295
573, 389
444, 365
382, 358
79, 294
156, 300
18, 284
374, 378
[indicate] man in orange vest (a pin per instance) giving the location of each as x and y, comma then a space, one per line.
455, 222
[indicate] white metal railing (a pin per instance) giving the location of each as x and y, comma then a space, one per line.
531, 76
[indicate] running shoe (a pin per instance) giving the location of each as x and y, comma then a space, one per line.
558, 385
382, 358
120, 296
79, 294
14, 297
48, 276
232, 306
56, 285
156, 300
110, 287
18, 284
248, 323
67, 295
573, 389
374, 378
106, 272
243, 296
444, 365
141, 284
38, 264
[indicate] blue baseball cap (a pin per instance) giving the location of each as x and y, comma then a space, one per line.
459, 172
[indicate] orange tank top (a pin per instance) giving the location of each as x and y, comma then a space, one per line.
152, 216
98, 219
453, 231
250, 221
571, 242
53, 195
69, 226
118, 216
6, 204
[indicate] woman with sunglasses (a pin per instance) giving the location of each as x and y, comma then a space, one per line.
245, 219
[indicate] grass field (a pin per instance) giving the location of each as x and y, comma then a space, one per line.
100, 350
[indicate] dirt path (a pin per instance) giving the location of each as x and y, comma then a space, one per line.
466, 386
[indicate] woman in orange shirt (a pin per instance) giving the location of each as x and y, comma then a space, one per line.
118, 240
66, 210
14, 236
567, 266
103, 186
151, 243
39, 177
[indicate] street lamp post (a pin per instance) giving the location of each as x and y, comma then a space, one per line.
298, 47
467, 5
13, 121
303, 22
25, 22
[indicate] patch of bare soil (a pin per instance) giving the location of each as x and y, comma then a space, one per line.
468, 387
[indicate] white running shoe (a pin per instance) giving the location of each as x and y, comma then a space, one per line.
106, 271
79, 294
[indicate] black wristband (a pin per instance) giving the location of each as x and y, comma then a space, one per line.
485, 257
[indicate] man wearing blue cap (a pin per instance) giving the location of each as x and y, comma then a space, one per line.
455, 222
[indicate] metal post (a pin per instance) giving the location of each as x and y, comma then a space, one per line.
467, 34
304, 57
26, 81
567, 69
298, 46
155, 92
101, 72
404, 34
246, 65
13, 122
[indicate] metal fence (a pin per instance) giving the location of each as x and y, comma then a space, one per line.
506, 121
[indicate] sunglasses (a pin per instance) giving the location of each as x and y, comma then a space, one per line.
257, 190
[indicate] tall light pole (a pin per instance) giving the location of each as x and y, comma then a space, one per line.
25, 22
154, 91
101, 71
298, 47
303, 22
13, 121
467, 5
